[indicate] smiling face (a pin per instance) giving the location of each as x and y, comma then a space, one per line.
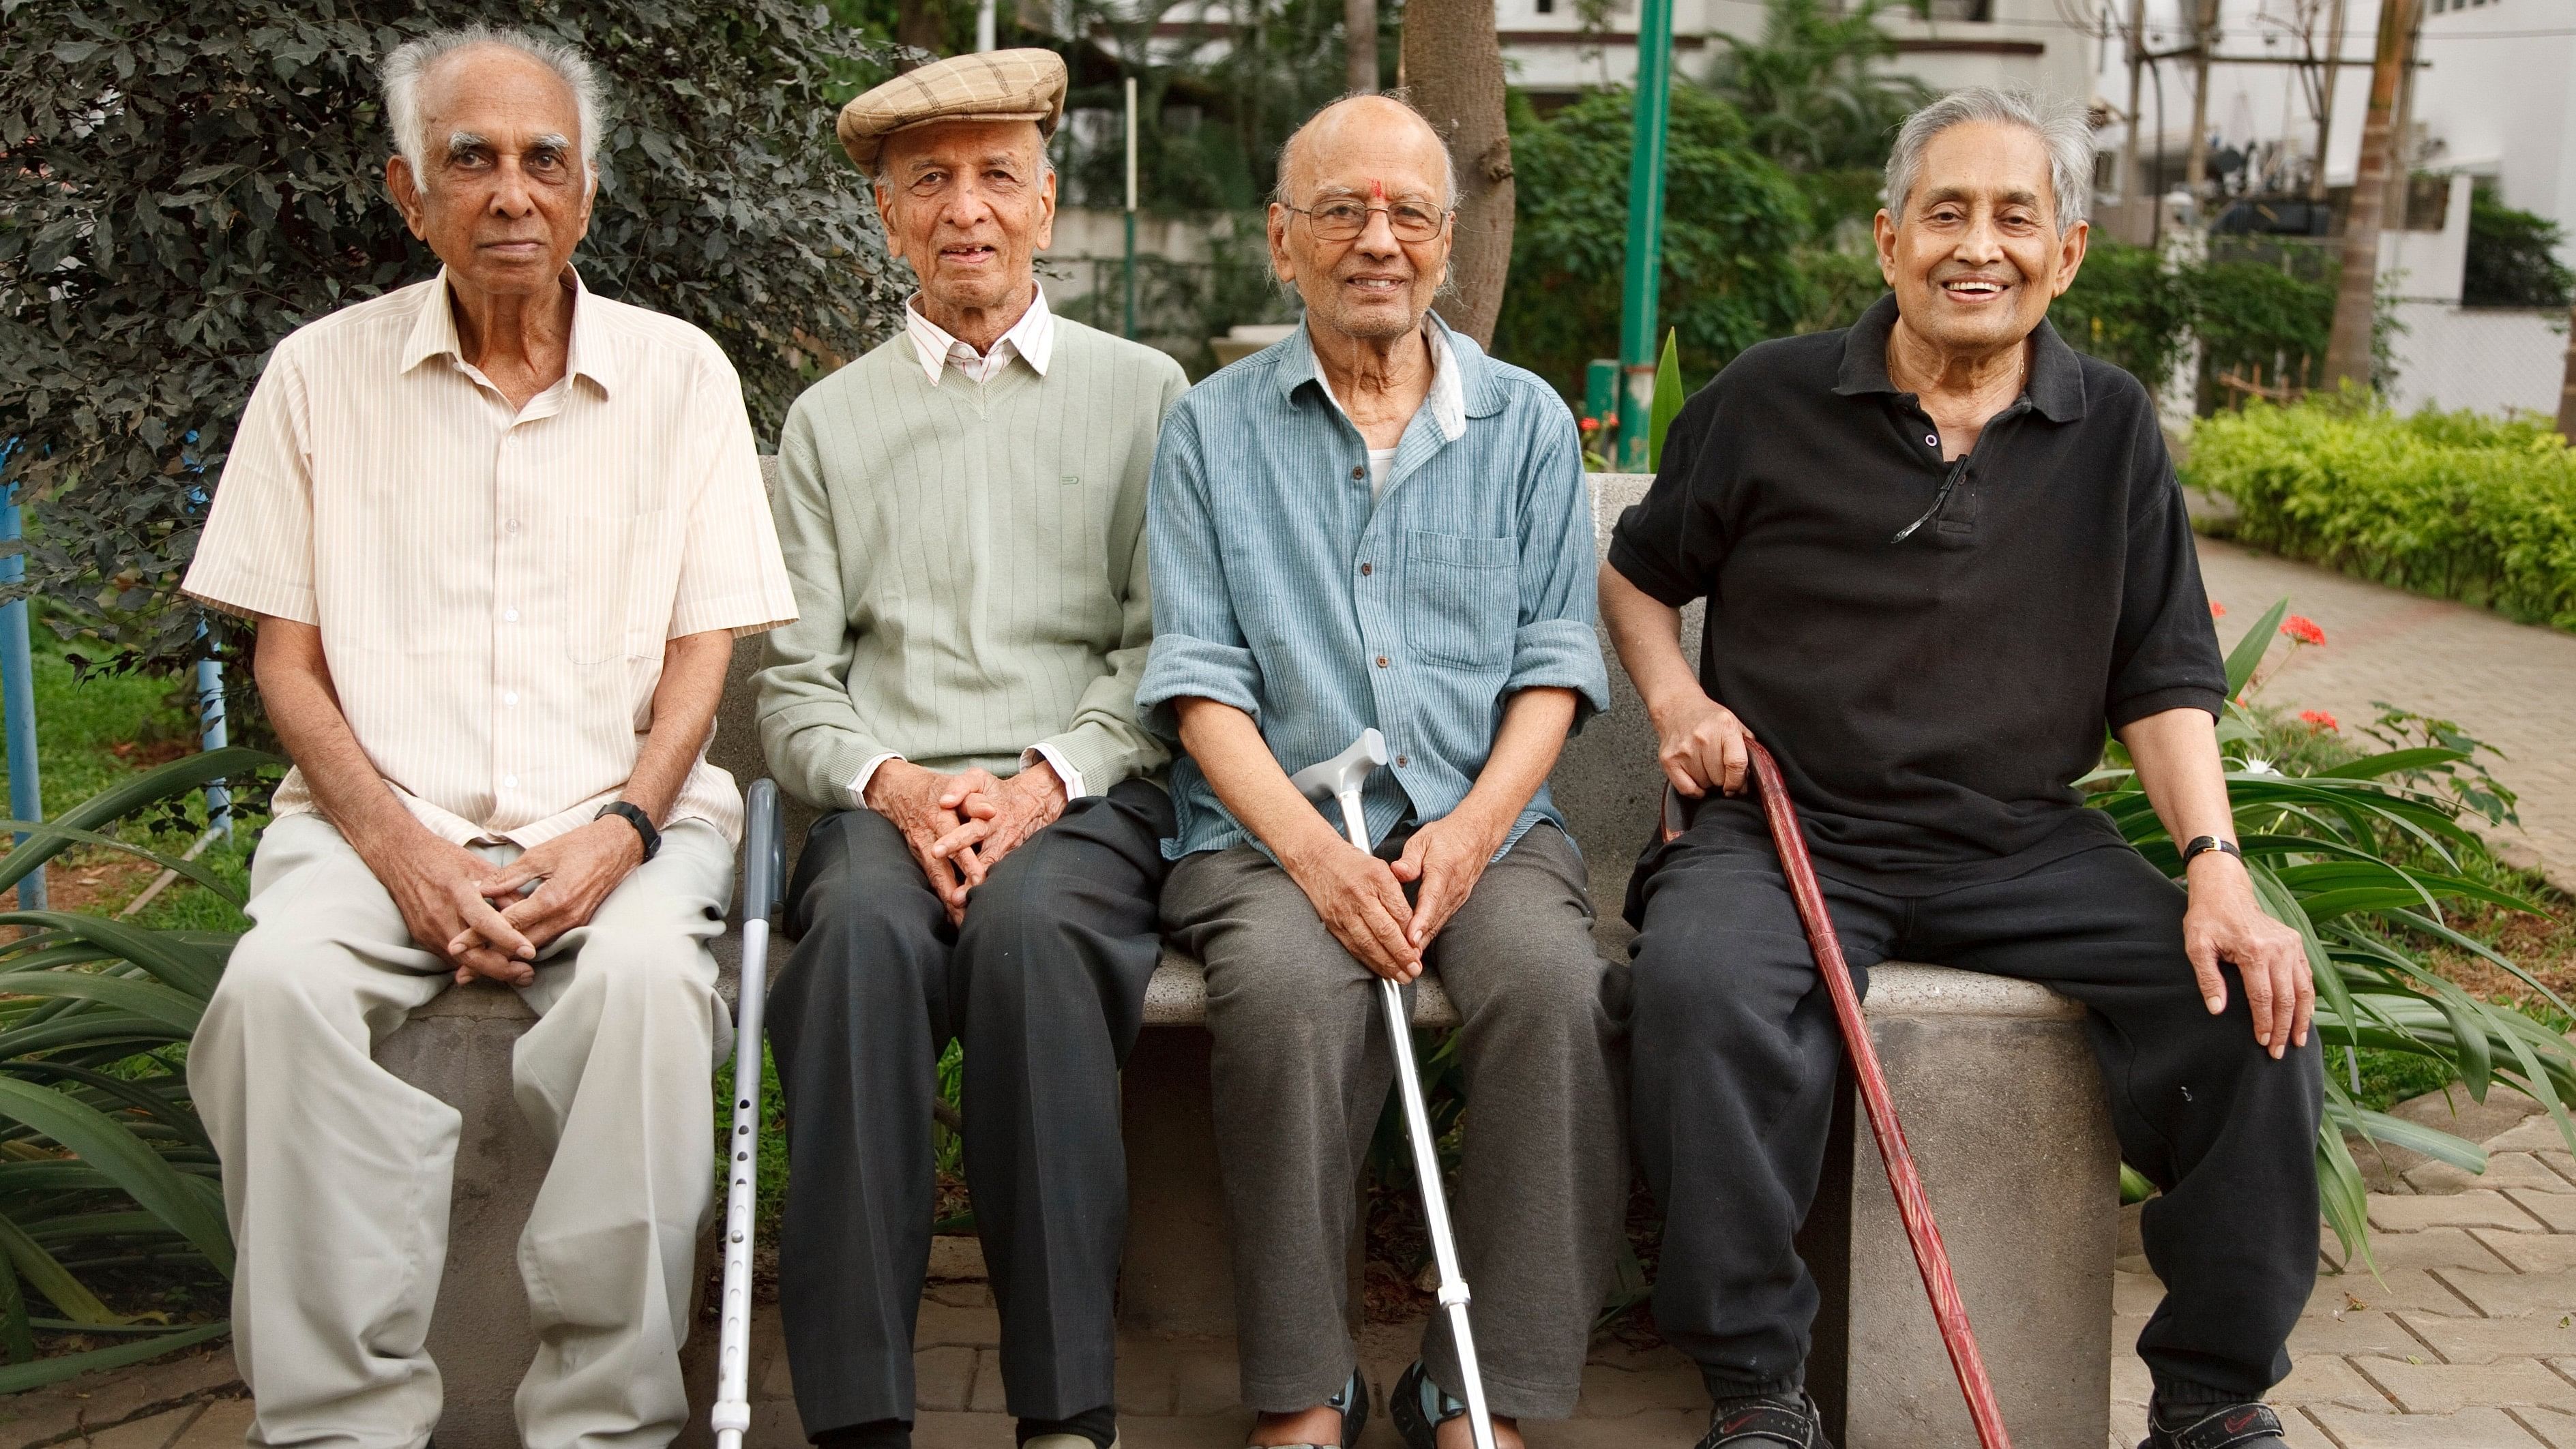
1977, 256
1377, 154
504, 195
968, 204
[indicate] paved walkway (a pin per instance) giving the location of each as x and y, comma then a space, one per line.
2512, 685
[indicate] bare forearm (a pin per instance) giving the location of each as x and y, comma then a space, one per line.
2176, 754
1535, 723
1647, 633
295, 688
1246, 777
684, 709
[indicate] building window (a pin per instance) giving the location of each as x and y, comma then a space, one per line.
1547, 7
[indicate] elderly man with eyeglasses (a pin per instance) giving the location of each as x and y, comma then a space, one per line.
1375, 524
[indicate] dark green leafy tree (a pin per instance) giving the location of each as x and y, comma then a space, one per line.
2513, 256
1816, 97
1733, 225
185, 184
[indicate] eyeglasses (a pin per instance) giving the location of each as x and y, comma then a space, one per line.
1340, 221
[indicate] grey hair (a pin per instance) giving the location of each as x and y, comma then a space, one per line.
1448, 163
2062, 126
404, 69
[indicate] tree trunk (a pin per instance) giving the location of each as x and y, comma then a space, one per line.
1359, 34
2567, 387
1453, 63
917, 23
2357, 289
2195, 162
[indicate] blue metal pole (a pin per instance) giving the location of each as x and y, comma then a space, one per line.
213, 735
18, 694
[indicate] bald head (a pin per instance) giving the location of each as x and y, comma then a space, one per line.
1374, 127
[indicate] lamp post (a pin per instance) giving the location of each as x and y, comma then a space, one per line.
1645, 230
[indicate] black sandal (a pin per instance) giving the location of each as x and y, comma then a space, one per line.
1353, 1403
1766, 1421
1419, 1407
2250, 1425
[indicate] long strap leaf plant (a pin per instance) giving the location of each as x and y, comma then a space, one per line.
2362, 858
103, 1161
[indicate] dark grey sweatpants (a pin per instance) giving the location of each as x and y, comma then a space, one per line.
1045, 986
1302, 1068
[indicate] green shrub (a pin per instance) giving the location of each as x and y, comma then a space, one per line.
2513, 256
2140, 309
2455, 505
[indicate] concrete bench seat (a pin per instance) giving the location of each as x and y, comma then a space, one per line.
2001, 1102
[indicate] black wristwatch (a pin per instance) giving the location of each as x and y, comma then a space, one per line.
634, 815
2210, 842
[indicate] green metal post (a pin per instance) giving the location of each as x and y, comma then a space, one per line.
1645, 267
1130, 333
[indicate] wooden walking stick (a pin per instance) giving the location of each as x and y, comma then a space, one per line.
1912, 1204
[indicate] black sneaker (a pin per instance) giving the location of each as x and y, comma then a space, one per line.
1766, 1421
2248, 1424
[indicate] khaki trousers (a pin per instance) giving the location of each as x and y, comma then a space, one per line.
336, 1172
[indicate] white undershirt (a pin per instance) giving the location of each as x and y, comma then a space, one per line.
1447, 399
1380, 460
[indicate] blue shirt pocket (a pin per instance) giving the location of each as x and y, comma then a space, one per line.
1462, 599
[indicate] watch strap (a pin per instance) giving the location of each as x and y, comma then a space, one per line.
634, 815
2201, 844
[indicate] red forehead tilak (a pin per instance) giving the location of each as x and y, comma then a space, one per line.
1377, 188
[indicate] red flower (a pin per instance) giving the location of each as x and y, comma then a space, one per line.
2303, 630
2217, 610
2320, 719
1588, 425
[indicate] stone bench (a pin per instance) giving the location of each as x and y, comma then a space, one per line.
1999, 1095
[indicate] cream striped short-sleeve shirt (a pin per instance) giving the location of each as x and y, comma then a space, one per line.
494, 587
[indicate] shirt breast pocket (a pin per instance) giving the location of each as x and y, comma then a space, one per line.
1462, 598
620, 580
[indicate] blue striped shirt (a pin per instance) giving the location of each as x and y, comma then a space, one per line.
1281, 589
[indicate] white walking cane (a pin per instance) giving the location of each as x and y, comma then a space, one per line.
1340, 778
763, 851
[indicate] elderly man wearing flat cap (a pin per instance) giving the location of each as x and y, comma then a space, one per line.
962, 512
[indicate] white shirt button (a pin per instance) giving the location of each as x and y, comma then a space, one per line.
509, 782
510, 696
509, 616
510, 527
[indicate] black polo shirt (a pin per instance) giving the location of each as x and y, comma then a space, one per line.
1930, 701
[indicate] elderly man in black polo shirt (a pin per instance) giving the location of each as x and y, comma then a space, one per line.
1942, 552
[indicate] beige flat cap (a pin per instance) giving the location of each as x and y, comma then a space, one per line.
996, 85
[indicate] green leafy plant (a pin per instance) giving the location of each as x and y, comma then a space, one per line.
2362, 858
103, 1161
188, 183
2513, 255
1816, 99
2456, 505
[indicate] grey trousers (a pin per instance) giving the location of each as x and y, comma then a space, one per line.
1302, 1068
337, 1173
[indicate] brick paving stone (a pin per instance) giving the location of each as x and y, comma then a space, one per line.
959, 1295
2484, 1340
943, 1323
987, 1396
2515, 1295
2504, 1169
221, 1426
942, 1377
2557, 1209
2135, 1293
2442, 1388
110, 1398
2479, 1428
2478, 1208
2533, 1134
2534, 1252
1611, 1393
2554, 1428
956, 1259
2395, 1289
2368, 1332
152, 1432
1206, 1380
2439, 1248
1147, 1369
1654, 1429
2324, 1378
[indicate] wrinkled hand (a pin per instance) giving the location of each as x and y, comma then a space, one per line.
573, 873
438, 888
1362, 903
910, 797
1001, 815
1700, 744
1447, 857
2224, 922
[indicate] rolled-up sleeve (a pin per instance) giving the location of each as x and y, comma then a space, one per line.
1199, 650
731, 574
1670, 543
2166, 655
256, 554
1557, 643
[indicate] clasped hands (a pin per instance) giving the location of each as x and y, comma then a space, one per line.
482, 918
959, 827
1361, 898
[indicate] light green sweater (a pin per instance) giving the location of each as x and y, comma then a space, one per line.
969, 564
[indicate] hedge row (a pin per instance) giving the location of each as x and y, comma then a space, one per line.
2456, 505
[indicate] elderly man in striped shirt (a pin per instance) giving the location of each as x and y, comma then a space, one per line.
1375, 524
499, 534
963, 511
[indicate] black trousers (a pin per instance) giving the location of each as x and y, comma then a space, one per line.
1045, 986
1735, 1057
